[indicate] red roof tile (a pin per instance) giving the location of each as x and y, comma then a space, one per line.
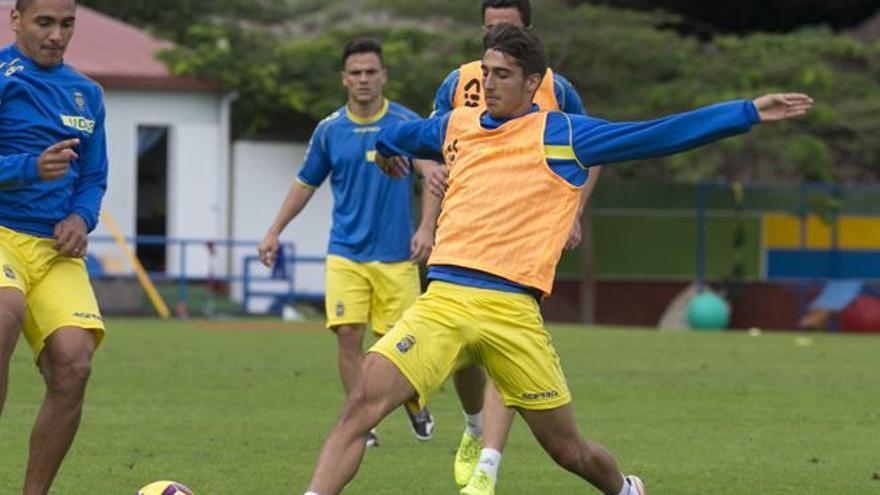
115, 54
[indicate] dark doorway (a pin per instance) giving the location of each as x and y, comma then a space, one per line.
152, 194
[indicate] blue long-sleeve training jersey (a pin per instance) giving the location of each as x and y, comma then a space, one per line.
592, 141
38, 108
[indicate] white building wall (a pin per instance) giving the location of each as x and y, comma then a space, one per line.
262, 174
198, 169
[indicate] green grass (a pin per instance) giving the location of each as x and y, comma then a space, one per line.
245, 412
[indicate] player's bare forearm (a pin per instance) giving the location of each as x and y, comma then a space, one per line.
297, 198
430, 210
423, 240
434, 175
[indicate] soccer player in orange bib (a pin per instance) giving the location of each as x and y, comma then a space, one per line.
511, 198
487, 421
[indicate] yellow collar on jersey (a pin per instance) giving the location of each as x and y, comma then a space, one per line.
369, 120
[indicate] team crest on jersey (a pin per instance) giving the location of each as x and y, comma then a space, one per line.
80, 101
8, 271
406, 344
340, 309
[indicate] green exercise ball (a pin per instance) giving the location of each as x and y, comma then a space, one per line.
708, 311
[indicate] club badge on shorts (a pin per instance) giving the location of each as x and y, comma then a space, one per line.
406, 344
8, 271
340, 309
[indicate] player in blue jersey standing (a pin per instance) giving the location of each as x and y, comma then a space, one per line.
53, 174
372, 276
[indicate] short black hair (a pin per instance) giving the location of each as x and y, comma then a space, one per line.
523, 6
362, 45
22, 5
521, 44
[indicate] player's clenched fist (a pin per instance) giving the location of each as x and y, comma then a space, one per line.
71, 237
268, 250
55, 160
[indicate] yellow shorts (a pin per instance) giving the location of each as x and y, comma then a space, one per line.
56, 289
376, 293
453, 327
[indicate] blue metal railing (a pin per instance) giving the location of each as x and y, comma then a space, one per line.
182, 277
292, 295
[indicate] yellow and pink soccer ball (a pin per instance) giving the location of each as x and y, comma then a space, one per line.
164, 488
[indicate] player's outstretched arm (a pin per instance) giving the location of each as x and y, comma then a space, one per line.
598, 142
782, 106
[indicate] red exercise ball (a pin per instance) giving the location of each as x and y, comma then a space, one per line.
862, 315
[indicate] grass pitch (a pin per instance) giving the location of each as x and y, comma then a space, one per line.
243, 407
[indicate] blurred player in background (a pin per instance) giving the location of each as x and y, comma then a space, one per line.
53, 175
372, 272
478, 457
506, 216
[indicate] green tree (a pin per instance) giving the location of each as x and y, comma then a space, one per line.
282, 57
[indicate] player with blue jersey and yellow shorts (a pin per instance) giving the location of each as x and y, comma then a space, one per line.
515, 179
372, 275
478, 457
53, 174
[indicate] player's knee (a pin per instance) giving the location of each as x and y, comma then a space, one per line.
370, 400
68, 373
12, 310
360, 411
